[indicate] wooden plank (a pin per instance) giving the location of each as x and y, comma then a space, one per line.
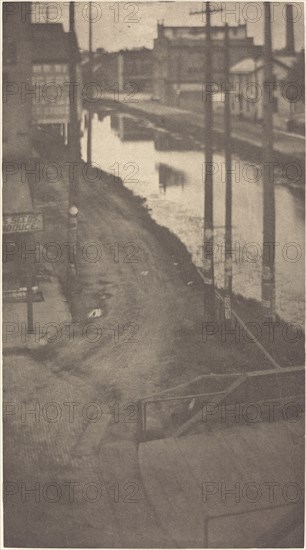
170, 488
173, 471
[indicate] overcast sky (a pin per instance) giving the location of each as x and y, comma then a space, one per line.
134, 24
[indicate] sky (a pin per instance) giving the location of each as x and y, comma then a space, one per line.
119, 25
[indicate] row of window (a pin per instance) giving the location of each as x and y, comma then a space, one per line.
50, 68
10, 58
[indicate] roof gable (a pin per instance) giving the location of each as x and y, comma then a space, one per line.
51, 44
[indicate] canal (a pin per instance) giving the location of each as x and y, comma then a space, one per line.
167, 170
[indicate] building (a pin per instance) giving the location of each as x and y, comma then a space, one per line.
16, 75
247, 78
105, 70
19, 221
135, 70
127, 71
50, 77
179, 61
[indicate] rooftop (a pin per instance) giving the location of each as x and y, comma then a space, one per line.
250, 65
199, 33
51, 43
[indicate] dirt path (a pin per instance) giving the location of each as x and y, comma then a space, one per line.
161, 295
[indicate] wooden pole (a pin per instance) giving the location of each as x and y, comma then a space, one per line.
74, 153
74, 130
268, 262
90, 72
30, 317
208, 271
228, 181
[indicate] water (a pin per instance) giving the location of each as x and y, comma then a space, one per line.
168, 171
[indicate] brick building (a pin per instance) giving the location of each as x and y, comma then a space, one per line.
127, 71
179, 61
50, 72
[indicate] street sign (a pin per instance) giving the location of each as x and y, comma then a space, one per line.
20, 295
22, 223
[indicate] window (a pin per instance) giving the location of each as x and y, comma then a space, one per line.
38, 80
9, 52
47, 68
37, 68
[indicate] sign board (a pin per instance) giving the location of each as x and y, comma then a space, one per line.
51, 114
20, 295
22, 223
50, 105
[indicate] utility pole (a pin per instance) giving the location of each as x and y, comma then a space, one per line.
268, 259
178, 89
90, 72
29, 279
209, 276
74, 130
208, 248
74, 152
228, 273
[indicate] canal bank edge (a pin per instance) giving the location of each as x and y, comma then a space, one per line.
248, 309
187, 122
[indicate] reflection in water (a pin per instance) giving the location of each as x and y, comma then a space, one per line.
102, 113
169, 176
164, 141
127, 129
182, 212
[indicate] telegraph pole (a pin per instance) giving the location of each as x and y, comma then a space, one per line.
268, 260
228, 273
89, 129
74, 152
74, 130
208, 248
209, 283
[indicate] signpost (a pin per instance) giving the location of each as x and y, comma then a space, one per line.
27, 222
23, 222
16, 295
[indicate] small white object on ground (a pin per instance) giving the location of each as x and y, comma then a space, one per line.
95, 313
191, 404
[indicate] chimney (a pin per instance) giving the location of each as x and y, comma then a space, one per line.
289, 30
160, 28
